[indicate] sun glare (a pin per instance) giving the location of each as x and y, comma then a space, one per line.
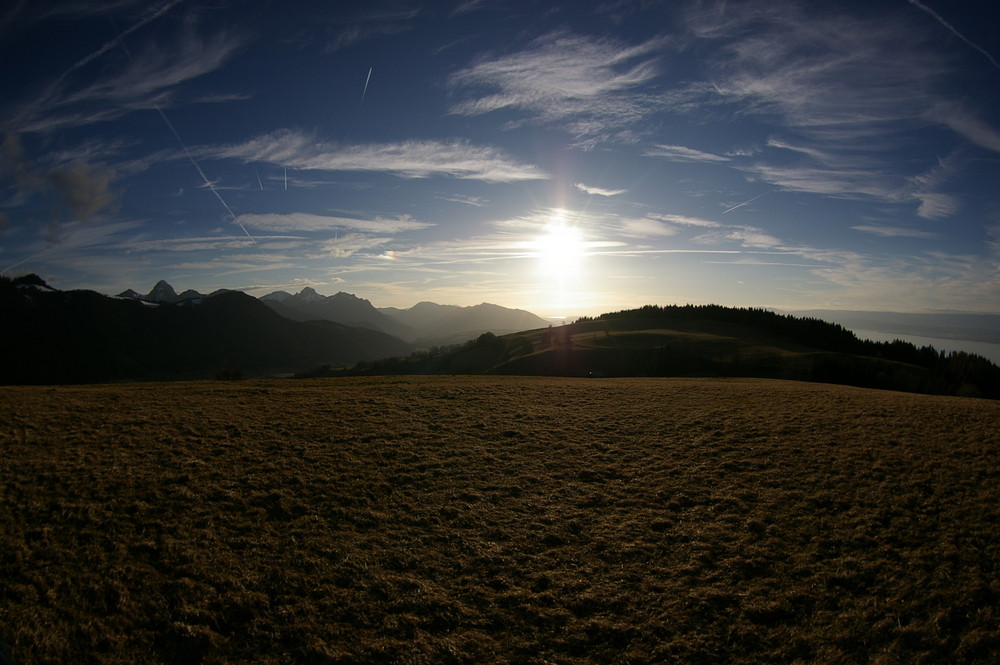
560, 252
561, 249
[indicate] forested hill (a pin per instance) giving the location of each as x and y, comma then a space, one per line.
952, 371
814, 333
707, 340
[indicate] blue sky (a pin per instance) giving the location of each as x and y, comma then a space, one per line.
568, 159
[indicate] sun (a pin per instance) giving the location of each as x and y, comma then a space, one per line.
561, 249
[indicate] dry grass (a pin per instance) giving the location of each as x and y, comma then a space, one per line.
507, 520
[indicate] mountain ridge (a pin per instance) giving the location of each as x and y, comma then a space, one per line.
425, 324
81, 336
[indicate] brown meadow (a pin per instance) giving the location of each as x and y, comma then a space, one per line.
498, 519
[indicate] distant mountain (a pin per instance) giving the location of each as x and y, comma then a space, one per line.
276, 296
343, 308
424, 324
707, 341
434, 324
162, 292
52, 336
422, 315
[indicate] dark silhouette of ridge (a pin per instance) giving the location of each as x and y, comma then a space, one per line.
51, 336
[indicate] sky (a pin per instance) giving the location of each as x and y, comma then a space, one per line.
565, 158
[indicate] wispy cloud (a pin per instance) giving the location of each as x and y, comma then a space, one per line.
372, 23
677, 153
307, 222
22, 14
831, 75
598, 191
646, 228
187, 244
475, 201
964, 122
894, 232
913, 283
148, 79
591, 86
936, 205
843, 182
746, 236
468, 6
352, 243
685, 220
854, 91
408, 159
75, 239
927, 188
360, 33
855, 174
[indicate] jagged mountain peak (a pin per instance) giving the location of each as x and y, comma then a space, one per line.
308, 294
162, 292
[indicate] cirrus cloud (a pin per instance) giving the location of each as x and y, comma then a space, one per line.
407, 159
598, 191
307, 222
591, 86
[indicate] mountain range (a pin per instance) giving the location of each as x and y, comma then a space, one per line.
51, 336
80, 336
424, 324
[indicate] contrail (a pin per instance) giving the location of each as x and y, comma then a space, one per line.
740, 205
286, 178
173, 130
208, 183
14, 265
151, 16
365, 91
258, 179
937, 17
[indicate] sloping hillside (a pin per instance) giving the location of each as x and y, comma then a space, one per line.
708, 341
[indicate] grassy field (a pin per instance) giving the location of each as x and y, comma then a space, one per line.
498, 520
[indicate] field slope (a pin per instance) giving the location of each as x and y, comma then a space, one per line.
498, 519
701, 341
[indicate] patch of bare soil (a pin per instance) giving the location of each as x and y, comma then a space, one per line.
503, 520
